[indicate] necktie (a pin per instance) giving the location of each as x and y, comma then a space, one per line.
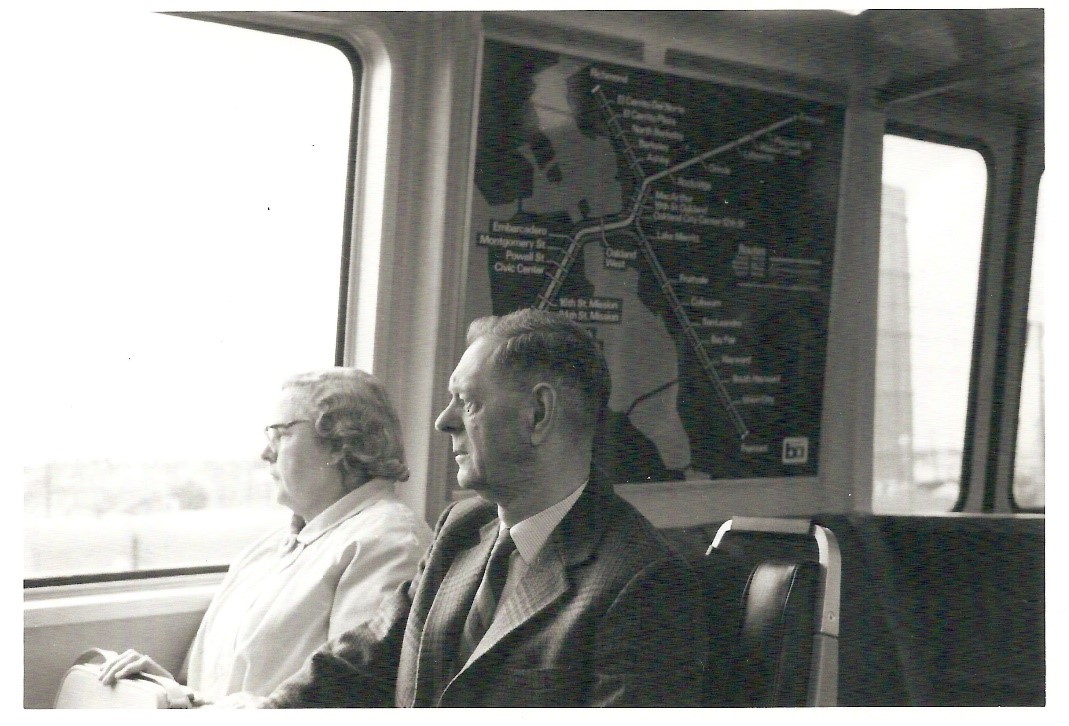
485, 603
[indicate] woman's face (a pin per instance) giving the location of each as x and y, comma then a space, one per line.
304, 470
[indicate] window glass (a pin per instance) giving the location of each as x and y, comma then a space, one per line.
1029, 470
930, 240
184, 212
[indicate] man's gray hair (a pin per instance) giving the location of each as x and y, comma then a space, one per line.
536, 344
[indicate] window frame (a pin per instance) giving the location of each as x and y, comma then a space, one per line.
972, 143
1008, 253
1012, 149
357, 64
345, 279
1027, 187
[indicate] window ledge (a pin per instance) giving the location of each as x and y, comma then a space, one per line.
69, 604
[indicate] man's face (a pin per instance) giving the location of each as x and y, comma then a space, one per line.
484, 418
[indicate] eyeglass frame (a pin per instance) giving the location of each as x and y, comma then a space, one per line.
274, 431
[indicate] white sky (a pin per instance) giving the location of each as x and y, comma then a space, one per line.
945, 189
154, 178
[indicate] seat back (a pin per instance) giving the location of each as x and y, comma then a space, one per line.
786, 651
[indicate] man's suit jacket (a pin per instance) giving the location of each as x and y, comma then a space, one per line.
607, 614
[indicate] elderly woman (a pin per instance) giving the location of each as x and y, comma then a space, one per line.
335, 451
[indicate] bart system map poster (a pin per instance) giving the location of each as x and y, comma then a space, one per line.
690, 226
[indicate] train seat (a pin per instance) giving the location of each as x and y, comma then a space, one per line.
941, 610
776, 582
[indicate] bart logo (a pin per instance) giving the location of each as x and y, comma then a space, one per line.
796, 450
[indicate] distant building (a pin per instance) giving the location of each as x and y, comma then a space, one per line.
908, 474
893, 425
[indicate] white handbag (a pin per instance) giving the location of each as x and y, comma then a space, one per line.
81, 687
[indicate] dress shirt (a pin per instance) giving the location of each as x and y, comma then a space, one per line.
530, 535
281, 600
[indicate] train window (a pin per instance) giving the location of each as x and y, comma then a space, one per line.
1029, 474
190, 211
930, 245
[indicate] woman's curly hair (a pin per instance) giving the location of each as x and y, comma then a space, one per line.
349, 409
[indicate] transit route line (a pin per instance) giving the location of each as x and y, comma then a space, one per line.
547, 298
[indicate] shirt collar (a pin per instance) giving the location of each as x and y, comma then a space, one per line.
531, 534
351, 504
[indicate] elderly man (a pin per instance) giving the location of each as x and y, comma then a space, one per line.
545, 590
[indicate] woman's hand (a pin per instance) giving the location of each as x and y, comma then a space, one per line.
128, 664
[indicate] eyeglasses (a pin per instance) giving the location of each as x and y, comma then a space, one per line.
274, 431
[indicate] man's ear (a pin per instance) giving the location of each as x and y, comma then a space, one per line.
543, 412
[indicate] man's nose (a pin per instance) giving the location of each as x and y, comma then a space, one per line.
268, 454
446, 420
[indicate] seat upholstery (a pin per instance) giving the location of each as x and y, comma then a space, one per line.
768, 613
776, 634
